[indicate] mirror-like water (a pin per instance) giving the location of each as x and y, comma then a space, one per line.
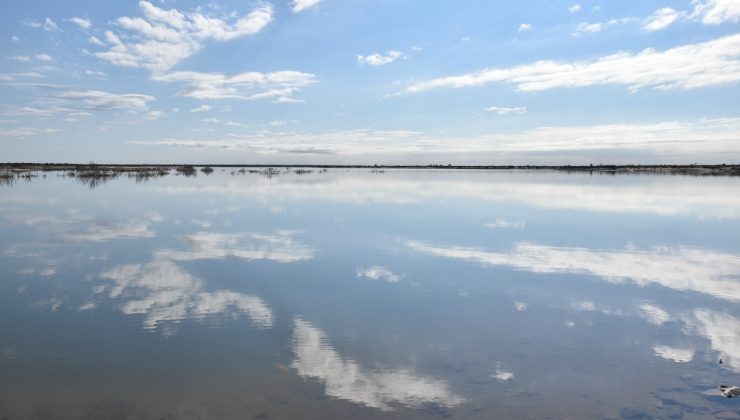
356, 293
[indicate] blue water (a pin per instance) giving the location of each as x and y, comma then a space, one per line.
357, 293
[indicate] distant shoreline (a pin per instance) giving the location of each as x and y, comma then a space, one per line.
696, 169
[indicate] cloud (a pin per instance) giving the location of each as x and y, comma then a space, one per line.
661, 19
301, 5
47, 24
377, 272
575, 8
683, 269
202, 108
280, 247
379, 59
663, 140
675, 354
343, 378
153, 115
504, 110
106, 101
504, 224
278, 86
81, 22
23, 132
103, 232
44, 57
714, 12
653, 313
589, 27
96, 41
166, 293
690, 66
21, 58
160, 39
723, 332
524, 27
14, 39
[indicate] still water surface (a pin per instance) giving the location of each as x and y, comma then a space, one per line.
366, 294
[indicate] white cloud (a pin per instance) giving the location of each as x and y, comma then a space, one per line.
23, 132
683, 269
714, 12
81, 22
44, 57
281, 247
343, 378
47, 24
524, 27
723, 332
103, 232
504, 224
15, 39
653, 314
280, 85
378, 272
154, 115
690, 66
520, 306
161, 38
301, 5
21, 58
589, 27
507, 110
661, 19
575, 8
96, 41
202, 108
100, 100
502, 375
659, 142
166, 293
379, 59
675, 354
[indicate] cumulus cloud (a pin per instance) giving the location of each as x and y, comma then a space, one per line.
280, 247
95, 41
589, 27
301, 5
689, 66
714, 12
379, 59
278, 86
378, 272
165, 293
507, 110
683, 269
44, 57
524, 27
81, 22
661, 19
575, 8
345, 379
160, 39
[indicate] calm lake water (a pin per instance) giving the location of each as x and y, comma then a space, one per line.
364, 294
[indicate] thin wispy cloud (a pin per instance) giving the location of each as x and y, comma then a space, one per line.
661, 19
502, 110
690, 66
81, 22
301, 5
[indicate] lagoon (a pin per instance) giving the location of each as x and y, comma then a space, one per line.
365, 293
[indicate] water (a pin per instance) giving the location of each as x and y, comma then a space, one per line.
356, 293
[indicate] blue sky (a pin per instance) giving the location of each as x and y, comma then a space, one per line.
355, 81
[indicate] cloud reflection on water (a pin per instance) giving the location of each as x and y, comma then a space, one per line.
345, 379
165, 292
686, 269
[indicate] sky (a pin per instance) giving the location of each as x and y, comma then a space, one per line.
370, 81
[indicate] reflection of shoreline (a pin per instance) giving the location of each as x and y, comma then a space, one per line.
343, 378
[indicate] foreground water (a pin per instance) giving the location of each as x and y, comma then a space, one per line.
370, 294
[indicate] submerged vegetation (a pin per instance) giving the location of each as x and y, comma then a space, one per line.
94, 175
